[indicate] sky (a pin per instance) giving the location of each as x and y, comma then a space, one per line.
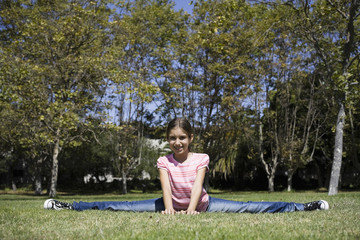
184, 4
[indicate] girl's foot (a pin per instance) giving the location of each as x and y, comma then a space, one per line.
57, 205
316, 205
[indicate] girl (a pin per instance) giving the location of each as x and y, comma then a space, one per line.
182, 175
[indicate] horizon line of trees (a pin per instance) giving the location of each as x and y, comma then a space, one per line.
270, 85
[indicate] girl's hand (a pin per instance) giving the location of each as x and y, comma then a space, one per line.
168, 211
188, 212
181, 212
192, 212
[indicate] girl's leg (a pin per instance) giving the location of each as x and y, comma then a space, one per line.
150, 205
222, 205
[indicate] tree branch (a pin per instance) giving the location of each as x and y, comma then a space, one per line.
338, 10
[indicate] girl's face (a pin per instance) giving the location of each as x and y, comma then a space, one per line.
179, 142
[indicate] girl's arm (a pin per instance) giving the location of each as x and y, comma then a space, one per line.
166, 189
196, 191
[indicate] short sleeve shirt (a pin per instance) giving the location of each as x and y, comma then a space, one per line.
182, 177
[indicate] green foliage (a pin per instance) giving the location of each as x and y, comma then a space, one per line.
54, 61
67, 67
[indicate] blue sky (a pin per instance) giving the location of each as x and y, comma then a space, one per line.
184, 4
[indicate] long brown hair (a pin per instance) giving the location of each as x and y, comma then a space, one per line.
182, 123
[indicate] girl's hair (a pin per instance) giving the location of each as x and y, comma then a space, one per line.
182, 123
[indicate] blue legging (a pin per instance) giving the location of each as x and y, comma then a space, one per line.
215, 205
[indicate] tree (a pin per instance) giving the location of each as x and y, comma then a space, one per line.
348, 49
321, 32
215, 84
60, 50
297, 93
142, 35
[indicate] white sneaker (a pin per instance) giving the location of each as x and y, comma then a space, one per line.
57, 205
316, 205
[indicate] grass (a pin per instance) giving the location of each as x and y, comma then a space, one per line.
22, 217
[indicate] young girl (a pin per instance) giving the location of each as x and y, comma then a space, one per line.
182, 175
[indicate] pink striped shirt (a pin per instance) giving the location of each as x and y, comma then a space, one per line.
182, 177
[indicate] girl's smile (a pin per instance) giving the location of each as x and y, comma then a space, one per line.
179, 142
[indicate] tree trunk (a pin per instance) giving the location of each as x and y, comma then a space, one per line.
12, 179
55, 166
338, 149
38, 185
271, 179
270, 171
124, 183
289, 180
38, 176
13, 185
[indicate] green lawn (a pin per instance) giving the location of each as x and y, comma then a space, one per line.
23, 217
